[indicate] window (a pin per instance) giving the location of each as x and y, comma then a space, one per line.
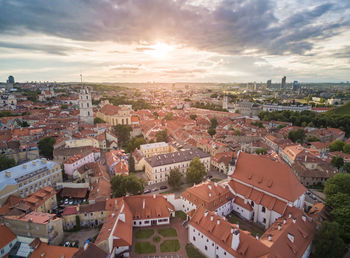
194, 238
263, 209
264, 220
206, 248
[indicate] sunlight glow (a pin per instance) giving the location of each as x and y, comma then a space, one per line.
159, 50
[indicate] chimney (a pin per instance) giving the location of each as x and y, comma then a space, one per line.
290, 215
305, 158
143, 203
218, 222
279, 226
154, 196
211, 218
8, 173
269, 237
257, 237
294, 220
209, 195
235, 240
304, 218
232, 230
86, 246
205, 213
284, 221
209, 186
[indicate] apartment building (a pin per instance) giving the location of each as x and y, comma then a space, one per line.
28, 178
37, 224
157, 168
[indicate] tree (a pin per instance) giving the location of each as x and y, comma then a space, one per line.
156, 115
46, 147
175, 178
261, 151
297, 135
77, 222
162, 136
64, 106
346, 148
135, 143
346, 167
98, 120
193, 116
213, 122
131, 163
336, 146
337, 161
123, 134
196, 171
169, 116
6, 162
122, 185
327, 242
339, 183
211, 131
313, 139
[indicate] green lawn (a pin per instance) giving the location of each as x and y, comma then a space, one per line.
193, 252
156, 239
170, 246
144, 233
168, 232
181, 215
245, 225
215, 180
144, 248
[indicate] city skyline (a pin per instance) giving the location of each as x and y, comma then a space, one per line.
165, 41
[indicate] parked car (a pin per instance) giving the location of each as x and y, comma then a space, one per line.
155, 189
66, 201
147, 191
67, 244
71, 202
163, 187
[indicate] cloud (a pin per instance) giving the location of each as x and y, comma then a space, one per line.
230, 27
49, 49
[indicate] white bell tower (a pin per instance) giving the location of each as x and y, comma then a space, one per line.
85, 106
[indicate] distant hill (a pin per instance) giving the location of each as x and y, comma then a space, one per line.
342, 110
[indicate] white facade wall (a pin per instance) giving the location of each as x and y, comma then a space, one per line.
69, 168
6, 249
148, 222
307, 251
242, 211
207, 246
225, 209
118, 250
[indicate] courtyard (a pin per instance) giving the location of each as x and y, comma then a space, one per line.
160, 241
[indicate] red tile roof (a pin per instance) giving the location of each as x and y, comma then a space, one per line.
267, 175
6, 236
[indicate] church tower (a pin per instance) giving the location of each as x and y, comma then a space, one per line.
85, 106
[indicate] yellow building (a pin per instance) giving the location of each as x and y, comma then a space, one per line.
115, 115
152, 149
37, 224
82, 143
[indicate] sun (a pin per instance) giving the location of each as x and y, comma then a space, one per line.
159, 50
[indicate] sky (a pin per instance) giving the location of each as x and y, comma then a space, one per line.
175, 40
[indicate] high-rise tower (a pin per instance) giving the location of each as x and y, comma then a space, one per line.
283, 83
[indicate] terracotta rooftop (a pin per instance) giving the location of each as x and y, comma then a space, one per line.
6, 236
264, 174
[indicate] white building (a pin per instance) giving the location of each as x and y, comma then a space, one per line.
76, 161
265, 188
8, 102
214, 236
85, 106
157, 168
272, 107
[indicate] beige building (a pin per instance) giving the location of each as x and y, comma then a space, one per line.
90, 215
37, 224
28, 178
115, 115
75, 143
157, 168
152, 149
